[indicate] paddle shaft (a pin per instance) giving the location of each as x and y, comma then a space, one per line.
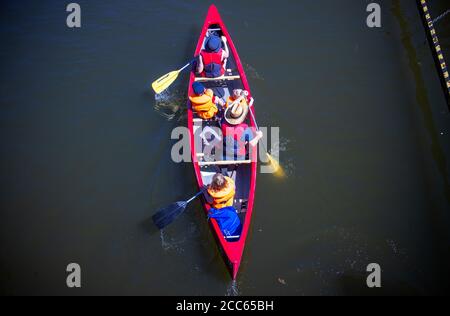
183, 68
257, 128
194, 197
254, 119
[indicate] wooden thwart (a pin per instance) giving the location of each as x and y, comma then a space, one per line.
204, 79
224, 162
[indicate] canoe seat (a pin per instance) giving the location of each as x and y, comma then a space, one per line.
197, 120
204, 79
224, 162
232, 238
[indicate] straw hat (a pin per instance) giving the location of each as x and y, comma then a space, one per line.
236, 114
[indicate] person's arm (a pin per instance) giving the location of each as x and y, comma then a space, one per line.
255, 140
226, 52
200, 66
215, 99
219, 101
208, 197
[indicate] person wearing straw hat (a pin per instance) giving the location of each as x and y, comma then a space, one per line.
237, 134
235, 95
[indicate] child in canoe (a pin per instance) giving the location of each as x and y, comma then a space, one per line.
212, 59
204, 102
236, 132
235, 95
220, 195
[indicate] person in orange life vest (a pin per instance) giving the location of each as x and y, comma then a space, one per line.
203, 101
237, 133
212, 60
237, 93
220, 193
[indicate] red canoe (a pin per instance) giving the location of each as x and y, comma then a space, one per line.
242, 171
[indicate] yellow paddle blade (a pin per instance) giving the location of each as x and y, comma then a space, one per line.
165, 81
277, 170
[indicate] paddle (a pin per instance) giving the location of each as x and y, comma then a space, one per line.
165, 81
167, 215
275, 164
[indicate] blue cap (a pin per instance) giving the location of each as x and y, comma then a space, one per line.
198, 88
214, 43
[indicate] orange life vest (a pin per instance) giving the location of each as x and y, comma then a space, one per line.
224, 197
203, 105
231, 99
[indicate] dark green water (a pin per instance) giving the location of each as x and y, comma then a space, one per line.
85, 150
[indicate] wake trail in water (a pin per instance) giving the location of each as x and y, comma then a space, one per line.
233, 289
251, 72
280, 151
288, 162
168, 243
170, 105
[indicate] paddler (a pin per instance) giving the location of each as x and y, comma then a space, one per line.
220, 193
237, 94
212, 59
237, 134
203, 101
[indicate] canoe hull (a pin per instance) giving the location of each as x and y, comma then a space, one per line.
231, 251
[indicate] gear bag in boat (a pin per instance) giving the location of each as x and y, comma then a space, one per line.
227, 219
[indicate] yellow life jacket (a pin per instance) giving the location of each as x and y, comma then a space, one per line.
230, 100
224, 197
203, 105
